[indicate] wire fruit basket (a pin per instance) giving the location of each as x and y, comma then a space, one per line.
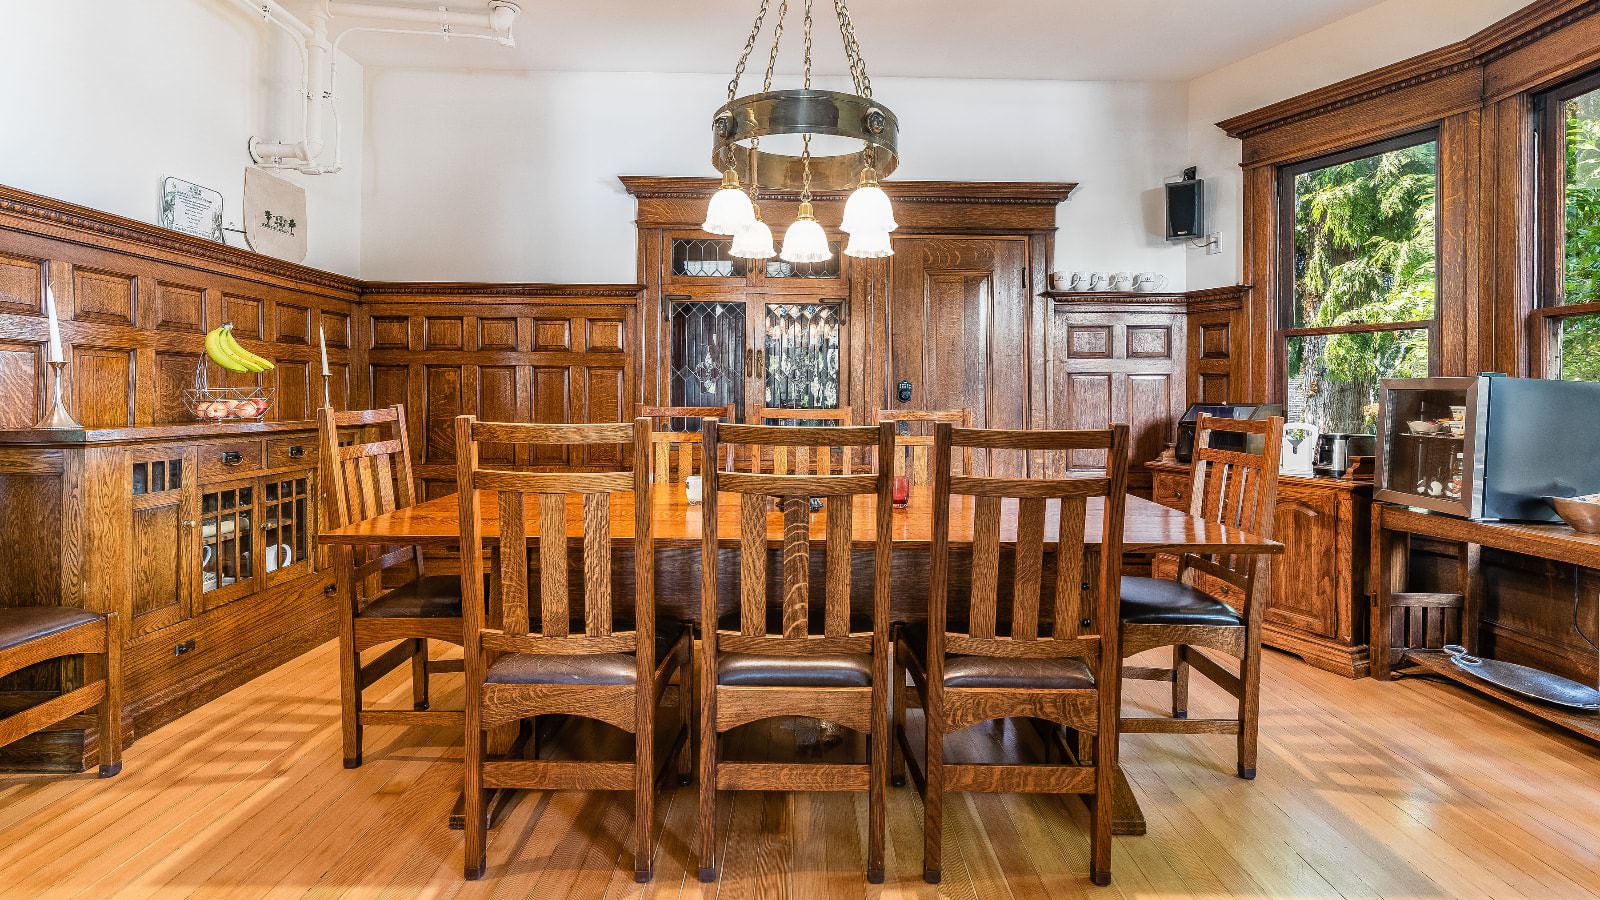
210, 404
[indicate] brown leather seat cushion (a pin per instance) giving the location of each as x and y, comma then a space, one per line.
430, 597
21, 624
761, 670
1153, 601
1063, 674
575, 669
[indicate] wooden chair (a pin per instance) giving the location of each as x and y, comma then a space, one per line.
33, 634
554, 659
752, 667
913, 456
1239, 489
783, 459
968, 673
360, 481
682, 448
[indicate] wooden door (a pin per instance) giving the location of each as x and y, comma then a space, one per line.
161, 537
957, 321
1305, 579
227, 521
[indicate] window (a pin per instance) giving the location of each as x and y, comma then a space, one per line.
1358, 255
1569, 229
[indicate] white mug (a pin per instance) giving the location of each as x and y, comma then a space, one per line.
1094, 281
1061, 281
1149, 281
691, 488
279, 556
1120, 281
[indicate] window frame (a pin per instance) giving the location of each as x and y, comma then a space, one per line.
1284, 329
1549, 214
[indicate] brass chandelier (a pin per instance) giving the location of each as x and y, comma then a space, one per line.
741, 123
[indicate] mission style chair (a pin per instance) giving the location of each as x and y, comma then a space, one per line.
532, 653
968, 672
675, 455
914, 452
783, 459
33, 634
1240, 489
756, 666
360, 481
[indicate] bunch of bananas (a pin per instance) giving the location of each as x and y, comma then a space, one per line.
224, 350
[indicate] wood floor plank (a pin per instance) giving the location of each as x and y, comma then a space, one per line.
1405, 789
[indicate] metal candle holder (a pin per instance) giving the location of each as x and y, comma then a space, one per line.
57, 417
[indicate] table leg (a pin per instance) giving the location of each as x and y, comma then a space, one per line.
502, 799
1127, 819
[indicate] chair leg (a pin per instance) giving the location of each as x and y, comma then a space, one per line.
689, 716
877, 788
1249, 707
708, 780
419, 675
644, 787
349, 658
897, 759
933, 801
1105, 773
476, 826
110, 668
1180, 683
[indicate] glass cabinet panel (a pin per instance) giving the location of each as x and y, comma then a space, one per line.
706, 258
286, 521
802, 355
707, 354
1429, 428
226, 541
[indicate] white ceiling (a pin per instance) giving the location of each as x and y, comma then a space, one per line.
1114, 40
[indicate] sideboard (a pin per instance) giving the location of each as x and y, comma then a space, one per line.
202, 537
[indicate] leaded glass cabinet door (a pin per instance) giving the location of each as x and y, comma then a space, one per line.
801, 354
706, 362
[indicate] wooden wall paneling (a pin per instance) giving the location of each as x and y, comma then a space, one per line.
21, 383
1457, 220
1215, 339
20, 285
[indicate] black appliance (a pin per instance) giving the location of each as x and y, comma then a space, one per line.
1183, 448
1334, 450
1488, 447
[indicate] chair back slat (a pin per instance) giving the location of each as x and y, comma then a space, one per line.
545, 508
802, 460
1032, 500
837, 562
794, 629
1237, 488
674, 455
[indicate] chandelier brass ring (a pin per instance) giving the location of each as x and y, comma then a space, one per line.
801, 111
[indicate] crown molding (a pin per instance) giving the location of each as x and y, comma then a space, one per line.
1518, 30
515, 290
1027, 193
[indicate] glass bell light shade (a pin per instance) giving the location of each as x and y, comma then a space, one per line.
805, 241
868, 208
753, 241
730, 208
869, 245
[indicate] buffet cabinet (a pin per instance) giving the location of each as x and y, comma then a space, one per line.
201, 536
1318, 604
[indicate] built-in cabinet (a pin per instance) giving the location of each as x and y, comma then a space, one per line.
202, 537
1317, 608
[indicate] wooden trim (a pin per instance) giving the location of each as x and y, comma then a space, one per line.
1035, 193
435, 292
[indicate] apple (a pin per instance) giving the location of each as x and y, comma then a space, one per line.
215, 409
242, 409
261, 404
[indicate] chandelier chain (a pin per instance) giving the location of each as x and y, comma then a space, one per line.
852, 50
807, 63
777, 38
749, 46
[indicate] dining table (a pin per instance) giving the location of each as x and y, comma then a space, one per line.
1148, 529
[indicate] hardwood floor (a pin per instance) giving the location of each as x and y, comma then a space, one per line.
1409, 789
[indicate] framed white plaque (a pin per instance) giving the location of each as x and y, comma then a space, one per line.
191, 209
274, 215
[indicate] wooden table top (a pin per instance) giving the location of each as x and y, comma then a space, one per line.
1149, 527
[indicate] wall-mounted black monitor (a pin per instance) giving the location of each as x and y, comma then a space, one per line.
1185, 209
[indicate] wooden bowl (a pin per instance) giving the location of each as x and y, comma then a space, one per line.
1582, 513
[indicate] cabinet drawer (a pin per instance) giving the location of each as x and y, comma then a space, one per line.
1170, 490
230, 458
283, 453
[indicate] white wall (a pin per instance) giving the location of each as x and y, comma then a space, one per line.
1383, 34
104, 98
512, 176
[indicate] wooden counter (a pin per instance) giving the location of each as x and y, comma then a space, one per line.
1318, 606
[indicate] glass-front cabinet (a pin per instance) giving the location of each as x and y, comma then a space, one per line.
769, 334
1427, 435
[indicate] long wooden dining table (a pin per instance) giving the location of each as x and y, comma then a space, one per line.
1148, 528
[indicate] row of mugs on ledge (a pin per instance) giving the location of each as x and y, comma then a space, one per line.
1107, 281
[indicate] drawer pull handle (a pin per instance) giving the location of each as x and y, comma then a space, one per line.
296, 451
232, 458
183, 647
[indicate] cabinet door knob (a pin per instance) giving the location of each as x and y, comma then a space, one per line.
296, 451
232, 458
189, 523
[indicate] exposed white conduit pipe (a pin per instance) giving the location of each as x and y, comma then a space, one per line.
498, 19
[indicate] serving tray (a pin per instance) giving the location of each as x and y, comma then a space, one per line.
1527, 681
